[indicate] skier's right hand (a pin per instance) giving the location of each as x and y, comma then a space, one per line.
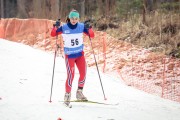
57, 24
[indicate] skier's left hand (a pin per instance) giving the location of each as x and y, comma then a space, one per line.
87, 24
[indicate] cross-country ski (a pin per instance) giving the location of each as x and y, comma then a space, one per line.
93, 102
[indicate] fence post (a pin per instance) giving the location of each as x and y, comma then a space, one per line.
163, 80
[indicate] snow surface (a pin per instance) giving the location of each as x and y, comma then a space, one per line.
25, 81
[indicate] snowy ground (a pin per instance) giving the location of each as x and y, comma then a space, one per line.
25, 80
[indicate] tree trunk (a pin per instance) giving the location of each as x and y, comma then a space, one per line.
112, 6
100, 8
61, 9
55, 9
149, 5
155, 4
107, 8
83, 9
144, 12
21, 9
2, 8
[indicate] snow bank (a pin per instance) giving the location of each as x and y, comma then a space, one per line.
25, 80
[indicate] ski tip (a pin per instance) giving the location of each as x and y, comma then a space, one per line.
70, 106
59, 118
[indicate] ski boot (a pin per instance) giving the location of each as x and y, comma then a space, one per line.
80, 96
67, 98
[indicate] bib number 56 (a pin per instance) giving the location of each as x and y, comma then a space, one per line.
74, 42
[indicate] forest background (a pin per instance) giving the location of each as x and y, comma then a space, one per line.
151, 24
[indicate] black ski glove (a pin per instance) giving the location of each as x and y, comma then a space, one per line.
87, 24
58, 23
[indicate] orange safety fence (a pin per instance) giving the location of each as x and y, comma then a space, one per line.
151, 72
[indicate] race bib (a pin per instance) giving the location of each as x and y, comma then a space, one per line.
73, 43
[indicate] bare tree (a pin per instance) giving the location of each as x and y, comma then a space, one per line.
36, 5
144, 11
149, 5
83, 8
21, 9
110, 7
2, 8
61, 8
100, 7
55, 9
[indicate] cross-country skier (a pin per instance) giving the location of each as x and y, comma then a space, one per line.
72, 33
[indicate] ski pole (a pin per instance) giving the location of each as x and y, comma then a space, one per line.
57, 24
97, 68
56, 49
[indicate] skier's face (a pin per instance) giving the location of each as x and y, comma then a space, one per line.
74, 20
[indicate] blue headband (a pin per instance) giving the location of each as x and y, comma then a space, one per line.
73, 14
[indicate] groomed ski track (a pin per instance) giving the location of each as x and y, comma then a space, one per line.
25, 79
